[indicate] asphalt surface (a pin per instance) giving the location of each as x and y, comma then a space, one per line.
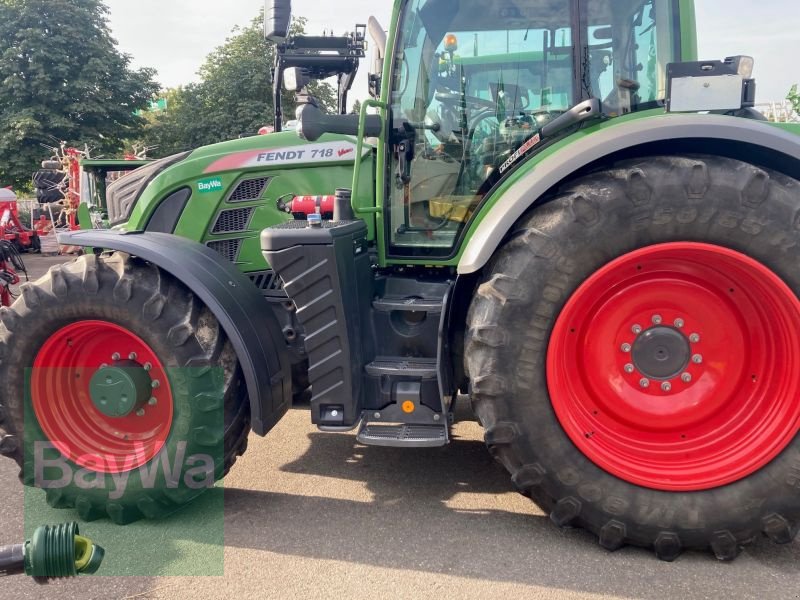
314, 515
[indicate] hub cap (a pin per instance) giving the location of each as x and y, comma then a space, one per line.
101, 396
661, 353
120, 390
672, 367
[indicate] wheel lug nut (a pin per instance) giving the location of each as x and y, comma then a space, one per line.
629, 369
697, 359
644, 382
636, 329
148, 366
657, 320
666, 386
152, 401
156, 384
626, 348
140, 412
133, 356
116, 356
694, 338
686, 378
679, 323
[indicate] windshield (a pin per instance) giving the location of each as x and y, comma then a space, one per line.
474, 82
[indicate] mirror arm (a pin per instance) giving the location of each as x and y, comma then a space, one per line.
345, 84
277, 85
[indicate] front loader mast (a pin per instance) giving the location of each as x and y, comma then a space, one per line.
318, 57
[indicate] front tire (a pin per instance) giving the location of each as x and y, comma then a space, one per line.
118, 368
694, 445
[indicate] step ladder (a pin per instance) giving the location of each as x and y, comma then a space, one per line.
403, 435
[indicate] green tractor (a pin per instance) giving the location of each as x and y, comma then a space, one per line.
550, 210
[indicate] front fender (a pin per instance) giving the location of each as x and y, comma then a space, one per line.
525, 190
240, 308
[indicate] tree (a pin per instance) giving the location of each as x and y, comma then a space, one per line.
62, 77
794, 99
356, 110
234, 97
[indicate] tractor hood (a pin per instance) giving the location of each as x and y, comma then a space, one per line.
224, 195
215, 169
283, 150
277, 150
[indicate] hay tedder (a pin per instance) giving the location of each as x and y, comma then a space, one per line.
71, 186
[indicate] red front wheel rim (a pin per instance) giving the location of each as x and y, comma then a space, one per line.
61, 397
672, 367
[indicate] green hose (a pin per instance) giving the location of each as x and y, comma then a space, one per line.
52, 552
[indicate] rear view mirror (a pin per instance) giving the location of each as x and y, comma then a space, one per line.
379, 37
295, 79
277, 17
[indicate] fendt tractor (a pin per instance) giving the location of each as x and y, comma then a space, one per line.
550, 210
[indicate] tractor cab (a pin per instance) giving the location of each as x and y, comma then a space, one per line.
471, 91
473, 86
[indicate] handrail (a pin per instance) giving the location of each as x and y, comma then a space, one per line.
371, 103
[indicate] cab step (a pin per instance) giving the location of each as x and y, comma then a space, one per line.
432, 306
424, 368
403, 435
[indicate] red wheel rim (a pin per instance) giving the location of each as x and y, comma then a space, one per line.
62, 403
729, 411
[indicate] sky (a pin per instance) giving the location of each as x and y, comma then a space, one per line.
174, 36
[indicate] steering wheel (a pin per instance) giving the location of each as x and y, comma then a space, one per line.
453, 98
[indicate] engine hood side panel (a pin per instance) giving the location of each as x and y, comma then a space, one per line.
236, 187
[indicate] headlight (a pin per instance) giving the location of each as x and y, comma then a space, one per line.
123, 194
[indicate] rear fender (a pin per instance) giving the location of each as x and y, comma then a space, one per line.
693, 131
240, 308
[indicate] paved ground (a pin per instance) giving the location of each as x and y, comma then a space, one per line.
313, 515
37, 265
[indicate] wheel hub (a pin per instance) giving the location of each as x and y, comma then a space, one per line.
671, 367
121, 389
101, 395
661, 353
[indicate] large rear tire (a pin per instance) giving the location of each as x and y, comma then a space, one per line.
49, 196
48, 179
94, 326
633, 353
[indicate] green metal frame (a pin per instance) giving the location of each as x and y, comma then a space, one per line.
688, 25
381, 165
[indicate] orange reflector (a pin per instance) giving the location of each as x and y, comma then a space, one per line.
409, 407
